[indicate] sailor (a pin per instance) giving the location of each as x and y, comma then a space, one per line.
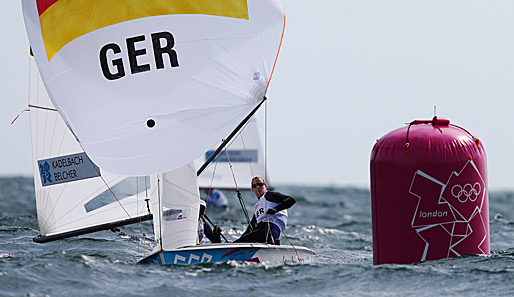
204, 228
216, 198
269, 215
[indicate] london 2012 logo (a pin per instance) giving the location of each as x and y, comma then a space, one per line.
450, 217
44, 171
466, 192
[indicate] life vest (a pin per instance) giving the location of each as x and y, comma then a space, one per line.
262, 206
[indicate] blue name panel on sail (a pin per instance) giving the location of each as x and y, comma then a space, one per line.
234, 156
65, 169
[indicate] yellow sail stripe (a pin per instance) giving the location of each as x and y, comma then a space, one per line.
67, 20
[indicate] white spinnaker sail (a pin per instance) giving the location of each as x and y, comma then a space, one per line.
175, 207
242, 159
150, 89
64, 201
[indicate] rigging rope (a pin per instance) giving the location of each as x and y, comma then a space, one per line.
266, 140
291, 244
212, 179
238, 190
266, 157
245, 149
266, 172
231, 167
268, 231
112, 192
137, 205
209, 220
243, 206
160, 210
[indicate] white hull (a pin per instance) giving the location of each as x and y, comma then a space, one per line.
243, 252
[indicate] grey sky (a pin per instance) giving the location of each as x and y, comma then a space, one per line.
348, 73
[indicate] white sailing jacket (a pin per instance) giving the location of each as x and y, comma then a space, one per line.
262, 206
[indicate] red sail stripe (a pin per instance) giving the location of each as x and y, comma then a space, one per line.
43, 5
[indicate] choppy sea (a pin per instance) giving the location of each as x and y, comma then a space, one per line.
333, 221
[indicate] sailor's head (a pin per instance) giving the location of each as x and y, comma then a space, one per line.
259, 186
202, 207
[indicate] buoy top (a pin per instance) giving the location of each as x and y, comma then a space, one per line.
435, 122
429, 138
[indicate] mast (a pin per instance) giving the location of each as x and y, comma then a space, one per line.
227, 140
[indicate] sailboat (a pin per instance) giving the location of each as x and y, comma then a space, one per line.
176, 223
126, 101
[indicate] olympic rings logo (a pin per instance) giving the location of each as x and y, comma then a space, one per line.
467, 192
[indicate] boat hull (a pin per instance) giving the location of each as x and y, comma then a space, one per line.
241, 252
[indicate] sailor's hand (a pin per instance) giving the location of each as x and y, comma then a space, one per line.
271, 211
217, 230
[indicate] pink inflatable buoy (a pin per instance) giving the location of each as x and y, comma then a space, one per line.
429, 195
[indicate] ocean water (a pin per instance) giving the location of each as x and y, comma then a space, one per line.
334, 222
